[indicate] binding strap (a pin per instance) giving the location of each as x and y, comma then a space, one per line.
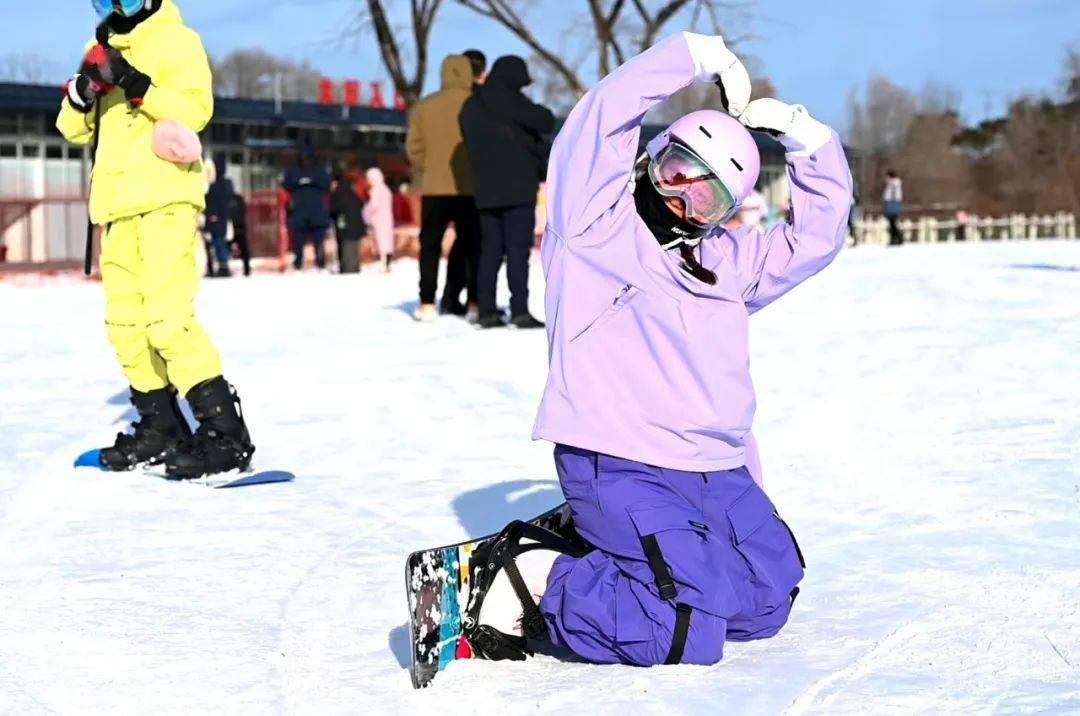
666, 585
533, 624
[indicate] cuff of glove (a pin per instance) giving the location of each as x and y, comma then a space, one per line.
135, 85
806, 135
74, 98
710, 55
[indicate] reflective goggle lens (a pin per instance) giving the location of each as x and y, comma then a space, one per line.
678, 172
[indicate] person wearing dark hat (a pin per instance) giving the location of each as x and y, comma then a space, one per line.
506, 136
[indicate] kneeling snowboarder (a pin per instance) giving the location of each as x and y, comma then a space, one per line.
649, 398
144, 69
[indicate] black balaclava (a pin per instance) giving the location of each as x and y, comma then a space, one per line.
123, 25
665, 224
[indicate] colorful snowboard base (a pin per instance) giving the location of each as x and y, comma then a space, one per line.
437, 588
236, 478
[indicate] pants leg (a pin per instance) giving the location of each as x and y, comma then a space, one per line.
169, 280
728, 558
467, 223
221, 249
208, 247
318, 235
240, 237
895, 236
299, 236
125, 318
457, 268
519, 226
350, 255
492, 250
434, 218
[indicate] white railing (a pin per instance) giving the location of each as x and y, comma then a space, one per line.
927, 229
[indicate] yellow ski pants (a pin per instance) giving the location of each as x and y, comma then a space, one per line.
150, 277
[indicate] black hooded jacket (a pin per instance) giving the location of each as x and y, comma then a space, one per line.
219, 199
309, 184
506, 136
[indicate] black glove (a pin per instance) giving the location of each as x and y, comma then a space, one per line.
108, 67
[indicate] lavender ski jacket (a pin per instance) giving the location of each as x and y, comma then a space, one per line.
645, 362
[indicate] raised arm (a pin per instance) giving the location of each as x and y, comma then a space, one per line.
773, 263
593, 156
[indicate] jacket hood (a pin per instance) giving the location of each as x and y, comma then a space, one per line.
375, 176
219, 166
509, 72
456, 72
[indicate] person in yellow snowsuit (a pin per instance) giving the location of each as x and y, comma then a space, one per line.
145, 67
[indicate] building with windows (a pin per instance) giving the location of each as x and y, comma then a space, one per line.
43, 178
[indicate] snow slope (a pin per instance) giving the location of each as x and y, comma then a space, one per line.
919, 420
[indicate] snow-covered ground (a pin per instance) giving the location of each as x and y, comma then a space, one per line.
920, 426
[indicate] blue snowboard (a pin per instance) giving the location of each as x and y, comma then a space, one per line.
92, 458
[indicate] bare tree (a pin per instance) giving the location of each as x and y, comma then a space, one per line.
508, 14
252, 74
619, 28
422, 15
25, 67
1072, 73
877, 125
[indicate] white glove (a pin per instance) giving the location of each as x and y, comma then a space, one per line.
714, 61
801, 134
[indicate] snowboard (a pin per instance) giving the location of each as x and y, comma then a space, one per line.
437, 587
236, 478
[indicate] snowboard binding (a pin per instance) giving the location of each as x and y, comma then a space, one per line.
498, 560
221, 443
160, 428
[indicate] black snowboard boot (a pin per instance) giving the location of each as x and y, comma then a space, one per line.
221, 442
160, 428
508, 578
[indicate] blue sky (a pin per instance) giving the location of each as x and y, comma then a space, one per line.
814, 50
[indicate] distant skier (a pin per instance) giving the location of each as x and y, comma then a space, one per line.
649, 398
153, 71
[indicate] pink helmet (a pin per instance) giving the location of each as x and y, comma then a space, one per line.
722, 143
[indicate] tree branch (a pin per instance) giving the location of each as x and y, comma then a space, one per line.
503, 13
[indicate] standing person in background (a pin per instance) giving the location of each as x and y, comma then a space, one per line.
218, 200
379, 215
962, 221
347, 212
892, 202
441, 167
478, 61
153, 75
238, 214
308, 183
506, 136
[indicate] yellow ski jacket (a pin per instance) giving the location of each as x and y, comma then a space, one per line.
128, 178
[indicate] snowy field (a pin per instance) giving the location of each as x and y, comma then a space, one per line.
919, 418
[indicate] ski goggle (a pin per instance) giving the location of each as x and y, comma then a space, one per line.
127, 8
678, 172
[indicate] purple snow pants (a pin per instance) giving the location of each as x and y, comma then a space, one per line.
732, 560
